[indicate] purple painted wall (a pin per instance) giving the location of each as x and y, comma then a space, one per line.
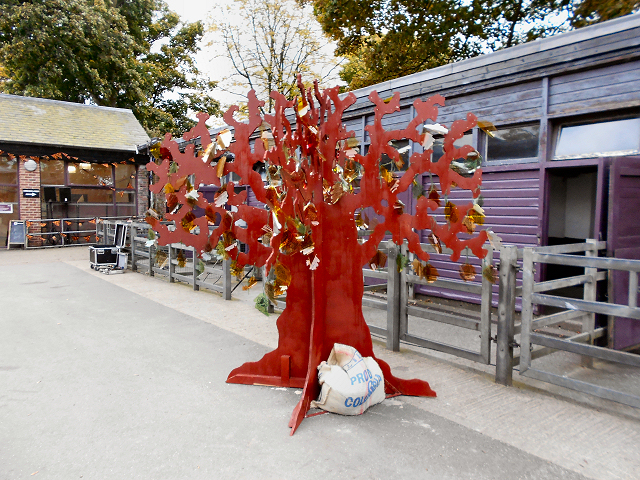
624, 242
511, 204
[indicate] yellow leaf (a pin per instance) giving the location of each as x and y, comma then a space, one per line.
487, 127
220, 166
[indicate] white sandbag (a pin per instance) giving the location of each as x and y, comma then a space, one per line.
350, 384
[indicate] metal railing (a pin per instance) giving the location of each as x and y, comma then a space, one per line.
60, 232
178, 262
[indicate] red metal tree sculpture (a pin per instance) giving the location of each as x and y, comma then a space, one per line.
317, 185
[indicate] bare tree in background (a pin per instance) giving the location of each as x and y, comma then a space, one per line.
268, 43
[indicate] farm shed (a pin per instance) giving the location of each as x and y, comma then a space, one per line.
563, 164
68, 160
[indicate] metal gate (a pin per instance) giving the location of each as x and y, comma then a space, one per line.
535, 344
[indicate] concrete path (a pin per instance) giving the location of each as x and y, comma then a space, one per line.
122, 376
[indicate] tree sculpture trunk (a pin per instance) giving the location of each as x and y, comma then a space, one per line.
324, 307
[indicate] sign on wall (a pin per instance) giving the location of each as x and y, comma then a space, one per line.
6, 207
31, 192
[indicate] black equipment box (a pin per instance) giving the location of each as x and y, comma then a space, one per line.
110, 256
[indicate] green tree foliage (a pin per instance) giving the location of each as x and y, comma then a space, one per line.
386, 39
268, 42
589, 12
118, 53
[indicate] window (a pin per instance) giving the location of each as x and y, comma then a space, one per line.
404, 149
513, 143
91, 189
438, 144
52, 172
614, 137
8, 194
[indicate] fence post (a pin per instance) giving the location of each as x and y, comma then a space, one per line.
590, 294
133, 232
226, 273
194, 259
151, 260
506, 307
393, 298
172, 267
406, 292
485, 309
526, 316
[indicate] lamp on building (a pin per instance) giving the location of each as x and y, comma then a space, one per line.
30, 165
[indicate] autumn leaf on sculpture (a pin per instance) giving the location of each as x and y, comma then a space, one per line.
469, 224
209, 152
352, 142
224, 138
151, 221
490, 273
302, 107
250, 283
378, 261
236, 269
435, 129
289, 243
427, 141
435, 196
494, 240
220, 198
451, 212
360, 223
172, 202
435, 241
187, 222
337, 192
313, 264
430, 273
220, 166
386, 175
268, 140
477, 214
417, 188
181, 259
192, 196
398, 207
307, 246
351, 171
487, 127
311, 213
467, 272
282, 274
168, 189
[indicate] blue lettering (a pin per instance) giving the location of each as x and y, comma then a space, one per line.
353, 380
360, 378
357, 402
346, 402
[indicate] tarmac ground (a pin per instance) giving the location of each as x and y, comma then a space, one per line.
123, 376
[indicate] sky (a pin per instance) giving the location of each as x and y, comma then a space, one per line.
192, 11
207, 61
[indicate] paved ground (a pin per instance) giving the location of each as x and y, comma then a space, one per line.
122, 376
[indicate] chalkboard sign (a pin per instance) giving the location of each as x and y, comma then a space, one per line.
17, 233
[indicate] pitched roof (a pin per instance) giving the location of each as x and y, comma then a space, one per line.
51, 122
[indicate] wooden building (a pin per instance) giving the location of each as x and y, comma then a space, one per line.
68, 160
564, 162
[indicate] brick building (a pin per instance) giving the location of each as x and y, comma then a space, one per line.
67, 160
